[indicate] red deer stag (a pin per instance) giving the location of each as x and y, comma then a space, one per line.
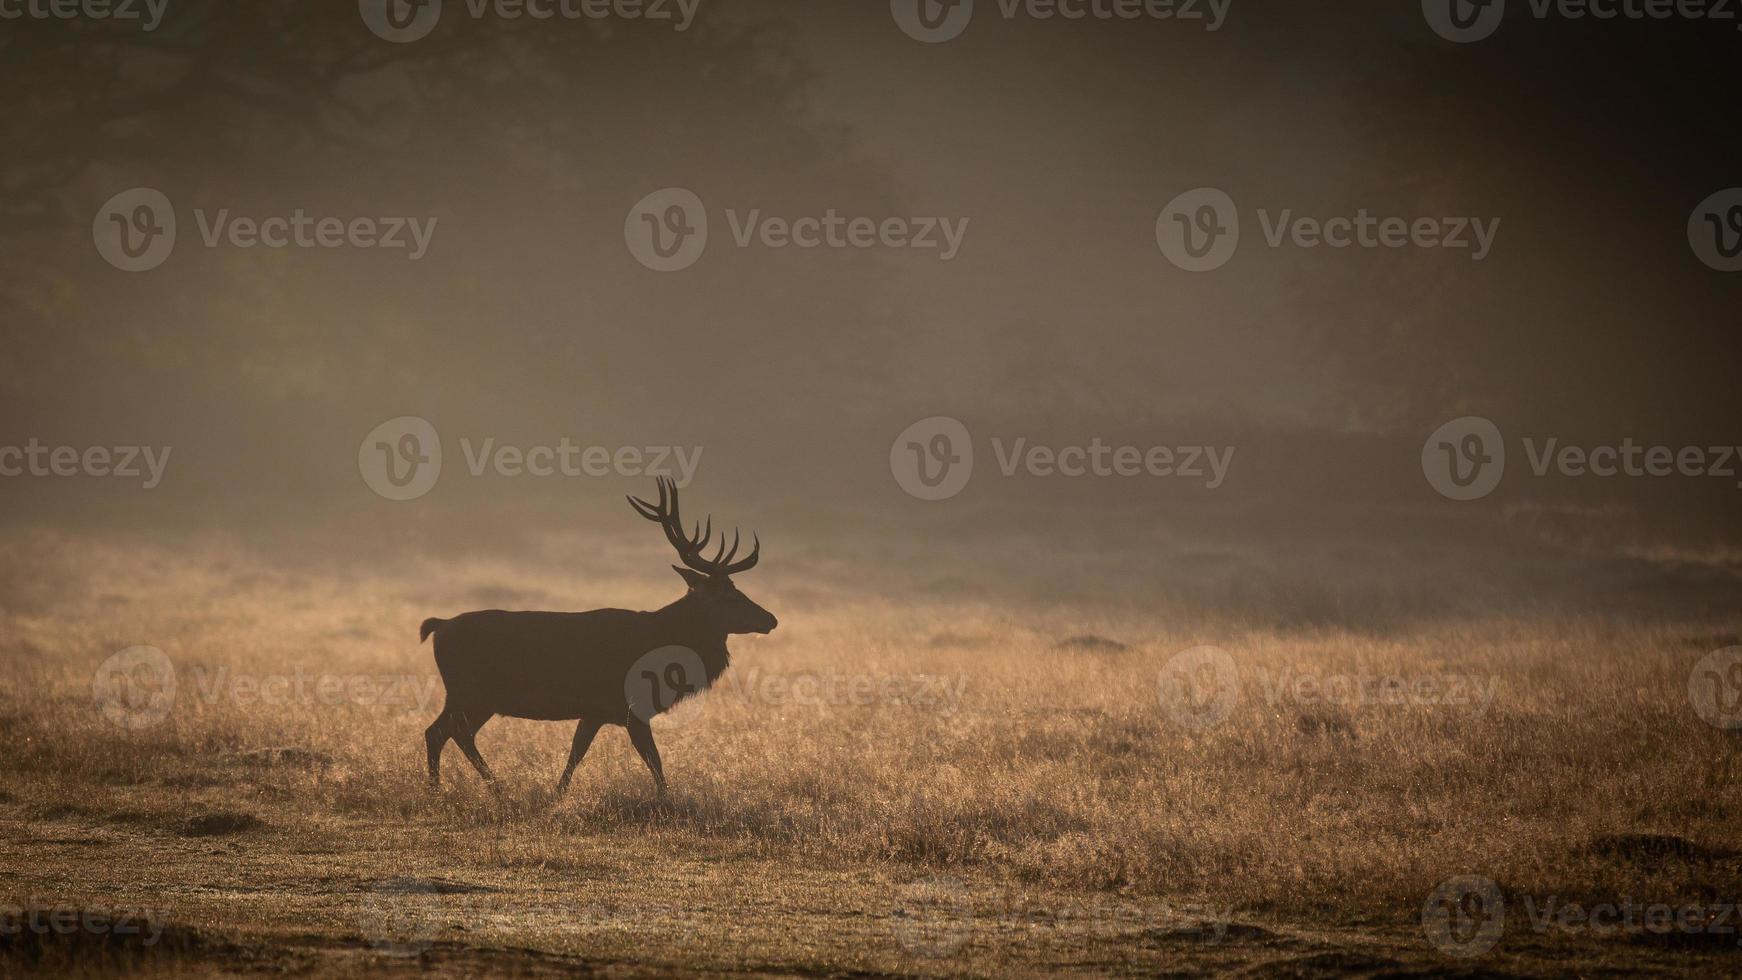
605, 667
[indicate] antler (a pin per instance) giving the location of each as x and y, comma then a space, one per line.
690, 546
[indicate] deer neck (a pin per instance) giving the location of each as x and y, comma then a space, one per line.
686, 623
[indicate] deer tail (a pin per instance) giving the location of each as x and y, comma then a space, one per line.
429, 626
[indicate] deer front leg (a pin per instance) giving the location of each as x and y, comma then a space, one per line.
584, 733
642, 736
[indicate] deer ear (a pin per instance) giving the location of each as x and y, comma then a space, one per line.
695, 579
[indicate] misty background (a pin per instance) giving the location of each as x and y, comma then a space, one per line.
1059, 321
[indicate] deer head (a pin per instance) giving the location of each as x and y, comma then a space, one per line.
709, 579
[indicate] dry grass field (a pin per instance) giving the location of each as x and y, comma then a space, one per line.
877, 788
1222, 489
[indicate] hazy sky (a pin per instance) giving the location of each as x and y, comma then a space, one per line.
1050, 145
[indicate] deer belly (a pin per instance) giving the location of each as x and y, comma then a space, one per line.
542, 697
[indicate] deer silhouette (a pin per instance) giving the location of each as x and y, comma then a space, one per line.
604, 667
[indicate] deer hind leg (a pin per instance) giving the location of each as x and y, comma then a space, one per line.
584, 733
435, 738
642, 736
462, 726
